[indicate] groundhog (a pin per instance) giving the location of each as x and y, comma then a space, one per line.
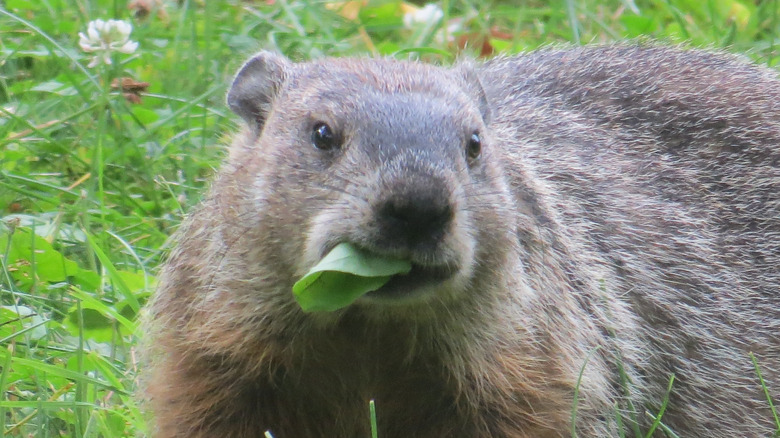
594, 236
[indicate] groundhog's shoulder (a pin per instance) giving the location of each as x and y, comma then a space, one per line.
675, 95
624, 70
592, 62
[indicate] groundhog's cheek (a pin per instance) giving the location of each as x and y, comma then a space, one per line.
496, 216
460, 242
259, 193
331, 226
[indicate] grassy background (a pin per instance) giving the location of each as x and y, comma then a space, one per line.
92, 182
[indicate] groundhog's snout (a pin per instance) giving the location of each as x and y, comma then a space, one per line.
415, 218
414, 215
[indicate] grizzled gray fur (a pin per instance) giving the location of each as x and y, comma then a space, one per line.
582, 221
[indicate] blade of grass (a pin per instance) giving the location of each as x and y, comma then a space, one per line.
766, 391
372, 417
574, 22
58, 371
576, 400
664, 404
113, 273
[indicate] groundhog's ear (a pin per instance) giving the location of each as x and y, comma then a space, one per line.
255, 87
468, 72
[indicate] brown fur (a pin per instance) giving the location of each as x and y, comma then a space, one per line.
624, 214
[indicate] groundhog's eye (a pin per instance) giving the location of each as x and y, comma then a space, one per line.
322, 137
474, 146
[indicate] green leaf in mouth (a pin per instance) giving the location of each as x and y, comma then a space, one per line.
344, 275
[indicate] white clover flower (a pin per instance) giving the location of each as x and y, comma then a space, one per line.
430, 14
106, 37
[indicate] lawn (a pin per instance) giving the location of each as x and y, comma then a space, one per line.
99, 162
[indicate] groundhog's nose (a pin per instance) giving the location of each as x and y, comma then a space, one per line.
415, 215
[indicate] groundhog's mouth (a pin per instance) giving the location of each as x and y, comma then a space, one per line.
416, 280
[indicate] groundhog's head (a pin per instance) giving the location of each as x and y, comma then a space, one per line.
396, 158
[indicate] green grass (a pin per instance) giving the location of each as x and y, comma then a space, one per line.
92, 184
